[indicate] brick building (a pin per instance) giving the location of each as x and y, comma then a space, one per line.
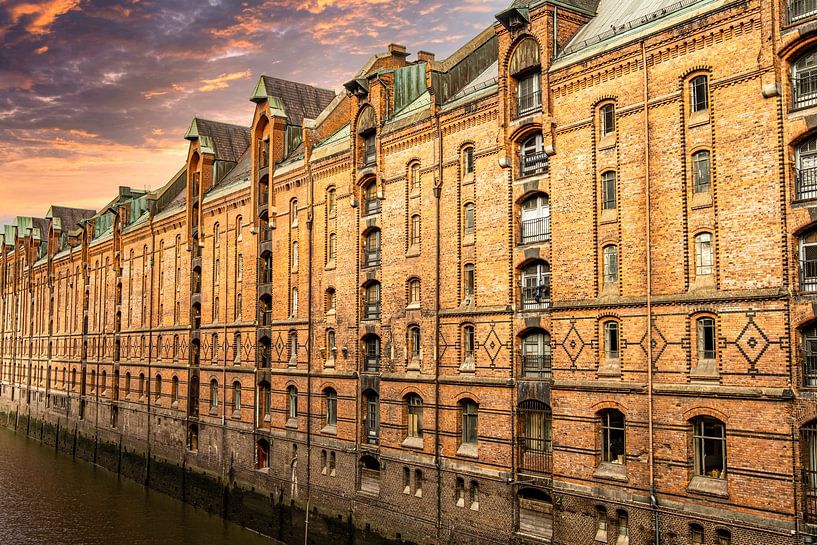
423, 303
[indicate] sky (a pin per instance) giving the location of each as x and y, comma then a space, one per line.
98, 94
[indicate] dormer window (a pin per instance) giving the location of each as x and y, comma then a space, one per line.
526, 70
263, 153
369, 150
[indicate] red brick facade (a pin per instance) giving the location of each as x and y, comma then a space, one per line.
431, 293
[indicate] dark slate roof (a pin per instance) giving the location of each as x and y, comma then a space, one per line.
240, 171
42, 225
70, 217
229, 141
300, 100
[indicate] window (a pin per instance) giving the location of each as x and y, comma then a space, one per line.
293, 212
294, 301
237, 348
213, 394
413, 341
808, 261
468, 280
806, 162
414, 416
704, 258
239, 272
371, 248
610, 257
536, 286
724, 537
414, 235
293, 348
371, 416
262, 454
292, 396
331, 202
460, 492
623, 528
474, 496
468, 412
809, 337
238, 231
533, 159
800, 9
709, 447
612, 437
418, 483
371, 352
414, 291
215, 345
294, 264
608, 190
468, 166
406, 480
528, 93
236, 397
264, 400
611, 337
331, 398
702, 179
330, 299
468, 341
808, 458
607, 115
699, 93
330, 344
535, 219
369, 148
536, 355
414, 176
372, 301
535, 437
601, 524
371, 201
332, 249
468, 224
706, 338
696, 534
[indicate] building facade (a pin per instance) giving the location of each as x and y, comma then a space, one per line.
556, 288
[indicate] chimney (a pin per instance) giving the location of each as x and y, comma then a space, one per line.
425, 56
397, 50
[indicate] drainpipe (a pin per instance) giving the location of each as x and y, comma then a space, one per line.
149, 390
437, 193
310, 336
651, 431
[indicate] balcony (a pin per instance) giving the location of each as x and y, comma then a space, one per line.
532, 164
535, 230
810, 496
806, 183
810, 370
371, 311
529, 103
536, 297
371, 206
535, 457
536, 366
808, 275
804, 90
371, 257
801, 9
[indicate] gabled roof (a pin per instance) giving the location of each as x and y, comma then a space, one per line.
239, 172
295, 100
227, 142
66, 218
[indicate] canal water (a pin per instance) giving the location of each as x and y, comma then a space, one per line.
49, 499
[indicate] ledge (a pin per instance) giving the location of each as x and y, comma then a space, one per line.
468, 450
708, 486
413, 443
611, 471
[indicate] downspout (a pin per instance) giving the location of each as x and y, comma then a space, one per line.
437, 194
310, 339
651, 431
150, 344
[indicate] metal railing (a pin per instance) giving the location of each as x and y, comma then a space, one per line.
534, 163
371, 257
536, 297
371, 311
535, 230
800, 9
535, 457
536, 366
804, 90
807, 182
810, 369
810, 495
265, 276
529, 102
808, 275
371, 206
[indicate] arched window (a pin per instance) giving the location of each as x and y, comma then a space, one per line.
414, 342
623, 527
371, 417
610, 264
215, 346
213, 395
414, 176
237, 348
535, 281
331, 348
331, 411
532, 157
468, 166
294, 260
414, 230
704, 256
294, 302
331, 202
611, 340
468, 280
607, 119
806, 161
141, 385
612, 433
468, 221
158, 388
332, 247
536, 362
468, 422
264, 400
534, 219
264, 352
702, 176
371, 353
414, 416
127, 382
601, 524
372, 301
293, 347
724, 537
535, 437
265, 309
608, 190
696, 534
371, 201
709, 447
293, 212
525, 69
699, 93
262, 454
468, 343
809, 339
238, 229
808, 457
174, 390
236, 399
292, 402
705, 330
330, 300
414, 292
371, 248
808, 261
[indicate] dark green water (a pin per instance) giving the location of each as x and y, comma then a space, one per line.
48, 499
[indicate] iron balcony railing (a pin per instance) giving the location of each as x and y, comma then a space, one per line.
536, 366
536, 230
529, 102
804, 90
266, 317
536, 297
371, 206
371, 257
371, 311
534, 163
266, 234
810, 369
808, 275
807, 182
810, 495
372, 362
801, 9
263, 155
265, 276
535, 456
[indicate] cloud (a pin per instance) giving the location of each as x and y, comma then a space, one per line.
39, 17
221, 81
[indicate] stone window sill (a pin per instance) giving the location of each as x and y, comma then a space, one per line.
611, 471
292, 423
468, 178
701, 200
413, 306
413, 251
329, 430
468, 450
697, 119
608, 141
236, 415
413, 443
610, 215
330, 265
705, 370
709, 486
